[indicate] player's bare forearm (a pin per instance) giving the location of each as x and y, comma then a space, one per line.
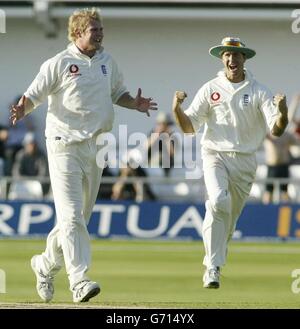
282, 120
182, 120
126, 100
280, 125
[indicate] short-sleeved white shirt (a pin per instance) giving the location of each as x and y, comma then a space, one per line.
235, 119
81, 92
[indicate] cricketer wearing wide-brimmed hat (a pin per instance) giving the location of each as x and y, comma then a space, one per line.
236, 111
232, 44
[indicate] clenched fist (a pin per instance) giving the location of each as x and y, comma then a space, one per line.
180, 95
280, 102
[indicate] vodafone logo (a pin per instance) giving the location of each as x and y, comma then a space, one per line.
73, 71
215, 96
74, 68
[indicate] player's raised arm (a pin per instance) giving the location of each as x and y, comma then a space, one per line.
182, 120
282, 120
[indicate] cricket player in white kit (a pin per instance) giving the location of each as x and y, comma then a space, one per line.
237, 112
82, 83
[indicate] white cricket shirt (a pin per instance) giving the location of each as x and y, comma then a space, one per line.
81, 92
235, 119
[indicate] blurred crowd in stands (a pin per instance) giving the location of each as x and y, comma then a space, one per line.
23, 159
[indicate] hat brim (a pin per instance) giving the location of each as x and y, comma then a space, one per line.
219, 50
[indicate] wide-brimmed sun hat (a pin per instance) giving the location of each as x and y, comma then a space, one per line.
232, 44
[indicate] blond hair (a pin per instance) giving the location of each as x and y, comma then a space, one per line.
80, 19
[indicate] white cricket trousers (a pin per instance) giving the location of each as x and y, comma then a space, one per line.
228, 179
75, 180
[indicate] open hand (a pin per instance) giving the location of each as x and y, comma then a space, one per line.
144, 104
17, 112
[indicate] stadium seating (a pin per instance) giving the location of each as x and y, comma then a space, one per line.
1, 167
2, 189
25, 190
258, 188
294, 185
192, 190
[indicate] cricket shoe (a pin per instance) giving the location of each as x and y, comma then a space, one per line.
44, 283
211, 278
85, 290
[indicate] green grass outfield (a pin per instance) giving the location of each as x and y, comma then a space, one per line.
161, 274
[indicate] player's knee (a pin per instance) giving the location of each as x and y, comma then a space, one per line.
221, 203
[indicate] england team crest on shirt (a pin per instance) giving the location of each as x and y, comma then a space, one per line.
103, 69
246, 99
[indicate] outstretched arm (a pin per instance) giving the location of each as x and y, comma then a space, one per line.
282, 120
182, 120
138, 103
18, 111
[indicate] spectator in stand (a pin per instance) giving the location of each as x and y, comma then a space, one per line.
160, 145
278, 160
123, 190
31, 161
3, 139
105, 190
294, 127
14, 142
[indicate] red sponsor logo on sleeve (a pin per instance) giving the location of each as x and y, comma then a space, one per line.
215, 96
73, 68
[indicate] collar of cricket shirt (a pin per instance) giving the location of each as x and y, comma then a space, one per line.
73, 48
